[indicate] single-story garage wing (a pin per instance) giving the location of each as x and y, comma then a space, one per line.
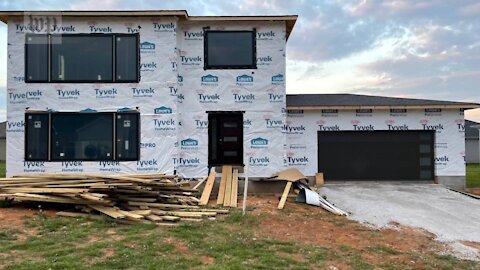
360, 137
472, 147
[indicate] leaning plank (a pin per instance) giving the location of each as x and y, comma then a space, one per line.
109, 211
234, 198
228, 188
208, 189
223, 183
200, 183
281, 204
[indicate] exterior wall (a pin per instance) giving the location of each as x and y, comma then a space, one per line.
472, 151
302, 127
261, 96
3, 148
157, 74
171, 78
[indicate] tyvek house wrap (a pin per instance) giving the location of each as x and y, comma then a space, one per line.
302, 127
158, 72
259, 92
172, 96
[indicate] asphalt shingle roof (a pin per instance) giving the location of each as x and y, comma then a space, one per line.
362, 100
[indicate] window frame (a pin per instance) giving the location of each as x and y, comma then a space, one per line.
50, 56
25, 143
26, 58
137, 54
114, 138
206, 66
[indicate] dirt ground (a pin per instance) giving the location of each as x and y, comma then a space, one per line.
310, 226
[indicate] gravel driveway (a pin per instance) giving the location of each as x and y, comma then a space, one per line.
451, 216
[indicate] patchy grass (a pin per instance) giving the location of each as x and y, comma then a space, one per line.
473, 175
228, 243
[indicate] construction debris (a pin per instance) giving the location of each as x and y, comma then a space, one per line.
228, 190
141, 198
290, 175
313, 198
306, 194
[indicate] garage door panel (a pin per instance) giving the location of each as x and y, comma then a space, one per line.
376, 155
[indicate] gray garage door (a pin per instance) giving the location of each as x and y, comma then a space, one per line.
376, 155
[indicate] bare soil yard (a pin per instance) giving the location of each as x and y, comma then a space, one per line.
298, 237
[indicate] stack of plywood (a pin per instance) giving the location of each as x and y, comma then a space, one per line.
228, 190
158, 198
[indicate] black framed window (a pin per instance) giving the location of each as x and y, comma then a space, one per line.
230, 49
36, 58
36, 136
82, 136
127, 136
127, 58
82, 58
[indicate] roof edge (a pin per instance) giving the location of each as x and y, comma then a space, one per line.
183, 14
466, 106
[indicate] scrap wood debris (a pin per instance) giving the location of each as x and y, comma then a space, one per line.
136, 198
306, 194
228, 189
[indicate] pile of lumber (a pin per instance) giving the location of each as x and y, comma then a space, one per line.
140, 198
228, 189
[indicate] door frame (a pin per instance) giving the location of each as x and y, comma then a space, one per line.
214, 163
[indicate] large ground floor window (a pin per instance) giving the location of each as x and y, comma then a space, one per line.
82, 136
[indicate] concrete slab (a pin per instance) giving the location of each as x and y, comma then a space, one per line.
451, 216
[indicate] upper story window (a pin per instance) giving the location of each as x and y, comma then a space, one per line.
82, 58
230, 50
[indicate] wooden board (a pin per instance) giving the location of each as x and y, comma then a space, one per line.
221, 189
109, 211
228, 187
208, 188
319, 179
154, 218
283, 199
234, 197
162, 205
200, 183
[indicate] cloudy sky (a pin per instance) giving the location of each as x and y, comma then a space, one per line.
418, 48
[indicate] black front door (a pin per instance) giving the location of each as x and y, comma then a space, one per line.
225, 138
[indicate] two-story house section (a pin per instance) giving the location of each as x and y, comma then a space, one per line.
145, 92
